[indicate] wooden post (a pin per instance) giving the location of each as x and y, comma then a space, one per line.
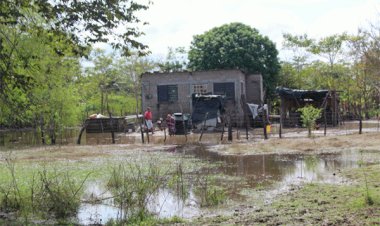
142, 130
360, 119
165, 133
221, 137
112, 131
245, 112
281, 118
229, 128
81, 131
265, 123
325, 119
204, 124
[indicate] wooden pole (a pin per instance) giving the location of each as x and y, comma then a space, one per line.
265, 124
81, 131
204, 125
229, 128
281, 118
142, 130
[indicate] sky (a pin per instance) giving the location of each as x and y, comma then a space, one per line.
173, 23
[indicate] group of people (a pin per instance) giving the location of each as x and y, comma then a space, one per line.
170, 122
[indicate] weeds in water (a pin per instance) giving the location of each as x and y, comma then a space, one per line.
210, 195
368, 197
132, 188
11, 198
178, 184
57, 193
47, 194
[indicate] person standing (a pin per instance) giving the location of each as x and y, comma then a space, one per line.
170, 123
148, 120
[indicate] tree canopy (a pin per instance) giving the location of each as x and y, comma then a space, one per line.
236, 46
83, 21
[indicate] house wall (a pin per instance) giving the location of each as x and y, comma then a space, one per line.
185, 82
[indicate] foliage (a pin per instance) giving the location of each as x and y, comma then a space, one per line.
112, 83
40, 46
49, 193
236, 46
175, 60
210, 195
309, 116
132, 188
83, 21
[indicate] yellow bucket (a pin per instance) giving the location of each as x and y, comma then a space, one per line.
268, 128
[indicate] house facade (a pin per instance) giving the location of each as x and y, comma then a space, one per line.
171, 92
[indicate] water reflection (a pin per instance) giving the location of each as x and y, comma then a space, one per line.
31, 137
165, 203
284, 168
258, 170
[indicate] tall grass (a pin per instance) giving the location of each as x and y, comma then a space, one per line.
133, 186
47, 194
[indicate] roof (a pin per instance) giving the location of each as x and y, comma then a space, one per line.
301, 94
187, 72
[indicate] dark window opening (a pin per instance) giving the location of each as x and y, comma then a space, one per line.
226, 88
167, 93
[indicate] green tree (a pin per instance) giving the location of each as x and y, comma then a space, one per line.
299, 46
79, 23
309, 116
112, 84
236, 46
175, 60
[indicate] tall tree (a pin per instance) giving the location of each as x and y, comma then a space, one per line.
79, 23
236, 46
175, 60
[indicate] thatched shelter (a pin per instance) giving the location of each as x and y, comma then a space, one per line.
294, 99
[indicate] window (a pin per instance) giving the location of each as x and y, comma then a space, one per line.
200, 88
167, 93
225, 88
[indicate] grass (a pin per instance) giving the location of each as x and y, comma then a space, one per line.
46, 183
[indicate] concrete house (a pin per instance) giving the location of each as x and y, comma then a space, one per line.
171, 92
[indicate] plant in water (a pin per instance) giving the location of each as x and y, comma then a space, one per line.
309, 116
210, 195
50, 194
57, 193
368, 197
132, 188
11, 197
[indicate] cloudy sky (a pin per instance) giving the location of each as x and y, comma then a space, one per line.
172, 23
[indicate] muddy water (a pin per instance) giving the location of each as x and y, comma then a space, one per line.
274, 173
283, 169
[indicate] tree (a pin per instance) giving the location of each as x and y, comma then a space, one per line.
112, 84
76, 23
83, 21
309, 116
236, 46
175, 60
299, 45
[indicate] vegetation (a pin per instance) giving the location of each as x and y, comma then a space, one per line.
309, 116
236, 45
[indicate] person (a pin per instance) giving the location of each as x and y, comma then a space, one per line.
170, 123
148, 120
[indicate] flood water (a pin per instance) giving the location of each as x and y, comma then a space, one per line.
274, 173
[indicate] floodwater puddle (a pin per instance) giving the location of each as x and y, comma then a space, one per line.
282, 168
273, 171
164, 203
